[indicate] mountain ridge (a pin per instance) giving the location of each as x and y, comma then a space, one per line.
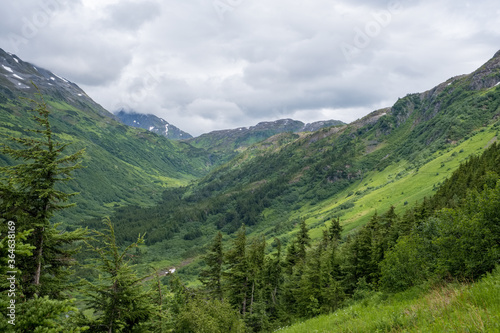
152, 123
123, 165
230, 140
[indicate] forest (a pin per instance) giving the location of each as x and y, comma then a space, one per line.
450, 237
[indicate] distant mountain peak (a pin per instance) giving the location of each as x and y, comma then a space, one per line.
152, 123
241, 137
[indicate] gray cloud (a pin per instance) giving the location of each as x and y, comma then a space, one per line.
130, 15
214, 64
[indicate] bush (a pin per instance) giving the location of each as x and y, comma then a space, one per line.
208, 316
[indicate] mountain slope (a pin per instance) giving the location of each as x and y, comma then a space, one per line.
153, 124
242, 137
123, 165
394, 156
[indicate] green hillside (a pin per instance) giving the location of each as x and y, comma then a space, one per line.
122, 165
392, 157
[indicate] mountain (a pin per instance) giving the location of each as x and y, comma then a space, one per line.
392, 157
153, 124
236, 139
123, 165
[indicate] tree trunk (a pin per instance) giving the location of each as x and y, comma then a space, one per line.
38, 271
251, 299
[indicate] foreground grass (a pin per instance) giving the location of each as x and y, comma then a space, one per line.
451, 308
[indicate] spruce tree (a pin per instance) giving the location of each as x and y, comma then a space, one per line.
335, 230
303, 241
120, 301
238, 275
211, 277
274, 276
29, 197
43, 253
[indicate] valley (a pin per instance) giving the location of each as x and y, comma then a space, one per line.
283, 220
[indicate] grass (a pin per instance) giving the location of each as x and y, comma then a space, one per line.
396, 185
450, 308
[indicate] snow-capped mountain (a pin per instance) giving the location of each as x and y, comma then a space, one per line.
17, 78
153, 124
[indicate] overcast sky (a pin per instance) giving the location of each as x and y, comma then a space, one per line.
204, 65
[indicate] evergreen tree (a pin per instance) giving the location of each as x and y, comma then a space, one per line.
43, 253
256, 255
29, 198
308, 293
120, 301
238, 274
273, 282
211, 277
332, 293
256, 317
303, 241
335, 230
291, 258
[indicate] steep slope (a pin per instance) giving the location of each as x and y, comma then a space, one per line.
153, 124
393, 156
123, 165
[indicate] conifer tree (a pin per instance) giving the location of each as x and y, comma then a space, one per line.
274, 280
211, 277
120, 301
335, 230
256, 257
29, 198
237, 275
303, 241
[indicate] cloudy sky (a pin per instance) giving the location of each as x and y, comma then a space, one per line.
212, 64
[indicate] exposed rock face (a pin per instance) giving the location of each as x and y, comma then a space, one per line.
488, 75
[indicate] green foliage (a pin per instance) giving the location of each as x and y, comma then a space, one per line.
461, 243
119, 300
450, 308
41, 254
123, 165
45, 315
211, 276
238, 273
29, 198
208, 316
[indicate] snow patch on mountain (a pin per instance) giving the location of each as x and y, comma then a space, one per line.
61, 78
